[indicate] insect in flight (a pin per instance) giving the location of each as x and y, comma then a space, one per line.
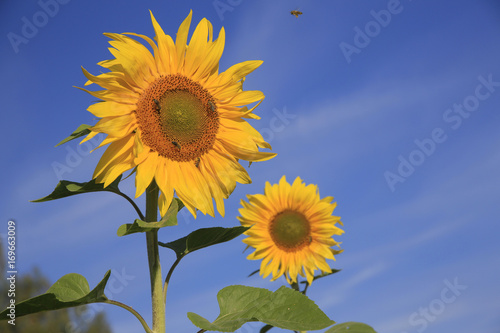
296, 13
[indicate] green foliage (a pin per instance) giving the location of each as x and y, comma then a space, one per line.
322, 275
285, 308
70, 320
82, 130
351, 327
202, 238
265, 328
170, 219
69, 291
66, 188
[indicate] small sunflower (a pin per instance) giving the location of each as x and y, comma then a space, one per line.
291, 231
172, 117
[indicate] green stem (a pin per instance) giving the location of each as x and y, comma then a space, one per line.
132, 203
131, 310
167, 279
305, 288
154, 260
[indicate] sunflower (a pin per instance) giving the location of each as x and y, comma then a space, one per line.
291, 231
172, 117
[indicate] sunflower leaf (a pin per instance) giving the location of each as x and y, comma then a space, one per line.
201, 238
69, 291
82, 130
66, 188
254, 272
284, 308
351, 327
180, 204
265, 328
170, 219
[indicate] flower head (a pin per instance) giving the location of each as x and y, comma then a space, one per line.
291, 231
173, 117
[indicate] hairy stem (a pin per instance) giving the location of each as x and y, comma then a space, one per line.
154, 260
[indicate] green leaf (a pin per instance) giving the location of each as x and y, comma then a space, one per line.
180, 204
266, 328
285, 308
201, 238
170, 219
351, 327
69, 291
82, 130
66, 188
254, 272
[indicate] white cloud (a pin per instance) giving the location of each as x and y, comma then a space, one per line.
338, 293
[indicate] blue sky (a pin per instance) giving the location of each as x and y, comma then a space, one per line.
399, 122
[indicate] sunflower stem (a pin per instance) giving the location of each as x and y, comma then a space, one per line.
154, 260
131, 310
132, 203
295, 286
305, 288
167, 279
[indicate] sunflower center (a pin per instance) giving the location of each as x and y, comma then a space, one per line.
290, 230
178, 118
180, 115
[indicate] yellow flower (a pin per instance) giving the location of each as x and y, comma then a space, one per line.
291, 231
174, 118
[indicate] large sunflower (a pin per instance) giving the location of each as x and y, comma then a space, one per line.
174, 118
291, 231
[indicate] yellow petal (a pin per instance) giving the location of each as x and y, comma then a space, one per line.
110, 109
145, 172
197, 50
239, 71
181, 40
166, 58
246, 97
163, 178
116, 126
115, 150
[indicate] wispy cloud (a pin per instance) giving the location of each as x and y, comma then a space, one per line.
338, 293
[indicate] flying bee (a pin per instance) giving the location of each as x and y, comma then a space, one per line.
197, 162
178, 146
296, 13
158, 107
